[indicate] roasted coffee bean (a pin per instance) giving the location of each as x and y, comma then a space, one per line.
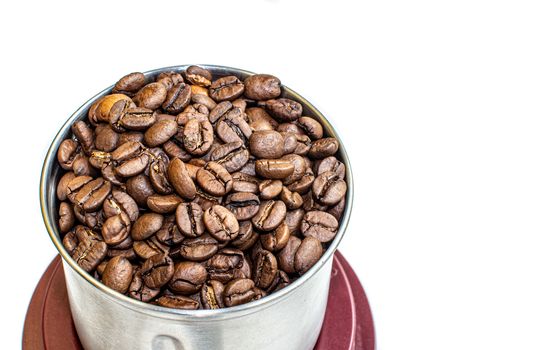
67, 152
226, 265
101, 112
293, 220
198, 76
180, 179
90, 197
118, 274
246, 237
274, 168
194, 111
169, 234
75, 185
270, 215
62, 187
81, 166
293, 200
178, 97
85, 136
106, 139
169, 79
157, 270
139, 188
198, 249
259, 119
130, 159
226, 88
221, 223
189, 219
129, 84
308, 253
151, 96
125, 253
232, 156
286, 257
329, 188
232, 127
320, 225
205, 200
323, 148
66, 217
85, 247
239, 291
147, 248
284, 110
146, 225
241, 104
140, 291
265, 269
290, 128
299, 168
204, 100
249, 168
214, 179
277, 239
220, 110
242, 182
163, 204
262, 87
302, 185
137, 119
310, 204
267, 144
174, 150
177, 302
94, 220
158, 174
338, 209
116, 229
99, 159
243, 205
311, 126
188, 278
281, 280
303, 145
331, 164
212, 295
160, 132
290, 142
198, 136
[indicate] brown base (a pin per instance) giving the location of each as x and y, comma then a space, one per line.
348, 323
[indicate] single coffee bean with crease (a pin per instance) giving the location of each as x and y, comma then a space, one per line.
221, 223
189, 217
270, 215
243, 205
188, 277
320, 225
157, 270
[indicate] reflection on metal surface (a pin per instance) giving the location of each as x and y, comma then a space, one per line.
165, 342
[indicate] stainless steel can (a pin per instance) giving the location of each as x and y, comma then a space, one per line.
289, 319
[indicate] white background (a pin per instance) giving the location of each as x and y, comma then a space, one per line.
434, 101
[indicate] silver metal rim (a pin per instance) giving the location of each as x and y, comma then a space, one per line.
159, 311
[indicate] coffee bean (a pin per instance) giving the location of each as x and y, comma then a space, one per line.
270, 189
225, 265
303, 145
169, 234
67, 152
246, 237
232, 127
157, 270
232, 156
338, 209
174, 150
291, 128
328, 188
267, 144
169, 79
66, 217
259, 119
140, 291
242, 182
286, 257
226, 88
160, 132
198, 249
85, 247
323, 148
85, 136
101, 112
290, 142
221, 223
274, 168
151, 96
239, 291
308, 253
177, 302
62, 189
270, 215
116, 229
293, 220
118, 274
139, 188
178, 97
203, 100
320, 225
146, 225
299, 168
311, 126
106, 139
137, 119
148, 248
199, 76
130, 159
188, 278
212, 295
332, 164
281, 280
198, 136
158, 173
277, 239
129, 84
284, 109
214, 179
189, 218
91, 196
262, 87
243, 205
163, 204
180, 179
293, 200
302, 185
265, 269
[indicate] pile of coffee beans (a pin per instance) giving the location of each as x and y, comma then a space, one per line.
195, 191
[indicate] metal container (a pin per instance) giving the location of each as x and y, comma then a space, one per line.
289, 319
